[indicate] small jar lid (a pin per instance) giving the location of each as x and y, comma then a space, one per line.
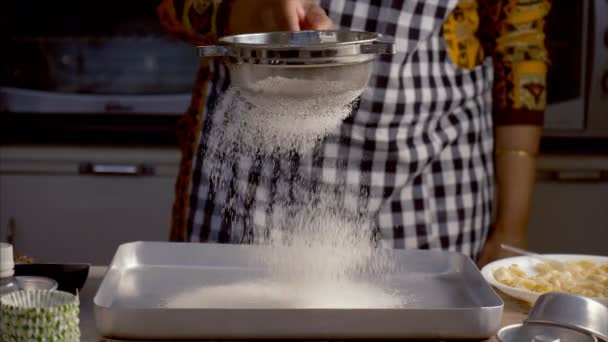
7, 262
528, 332
36, 283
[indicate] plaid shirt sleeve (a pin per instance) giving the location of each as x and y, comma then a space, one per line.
513, 32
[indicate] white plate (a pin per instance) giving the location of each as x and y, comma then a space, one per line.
527, 265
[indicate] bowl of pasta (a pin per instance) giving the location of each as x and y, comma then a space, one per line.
527, 278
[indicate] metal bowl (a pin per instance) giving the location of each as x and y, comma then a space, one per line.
571, 311
69, 277
541, 333
344, 56
36, 283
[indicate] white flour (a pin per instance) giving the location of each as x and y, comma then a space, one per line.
330, 244
274, 119
270, 294
300, 116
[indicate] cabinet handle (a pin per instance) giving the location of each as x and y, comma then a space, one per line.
574, 176
115, 169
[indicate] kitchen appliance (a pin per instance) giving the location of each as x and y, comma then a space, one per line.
445, 297
577, 87
63, 57
71, 75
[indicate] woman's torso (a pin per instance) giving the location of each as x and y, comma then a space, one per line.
415, 156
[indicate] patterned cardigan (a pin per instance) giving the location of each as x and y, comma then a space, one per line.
511, 31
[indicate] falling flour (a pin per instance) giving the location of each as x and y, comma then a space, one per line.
272, 116
330, 245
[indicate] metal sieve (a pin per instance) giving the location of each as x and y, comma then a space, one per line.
343, 56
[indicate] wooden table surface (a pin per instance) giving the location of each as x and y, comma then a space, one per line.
514, 312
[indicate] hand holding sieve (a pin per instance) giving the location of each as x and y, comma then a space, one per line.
344, 56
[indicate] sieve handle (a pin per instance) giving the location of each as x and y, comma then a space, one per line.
380, 48
212, 51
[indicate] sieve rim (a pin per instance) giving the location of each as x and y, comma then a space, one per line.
240, 40
299, 48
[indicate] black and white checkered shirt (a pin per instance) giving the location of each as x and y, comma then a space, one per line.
416, 154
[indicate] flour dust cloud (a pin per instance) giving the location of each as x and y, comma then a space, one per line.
331, 255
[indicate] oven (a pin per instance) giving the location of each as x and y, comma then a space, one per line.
70, 58
577, 88
73, 73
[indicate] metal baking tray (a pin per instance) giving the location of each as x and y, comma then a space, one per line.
446, 297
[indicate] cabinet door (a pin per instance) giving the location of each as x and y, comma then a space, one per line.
79, 218
570, 217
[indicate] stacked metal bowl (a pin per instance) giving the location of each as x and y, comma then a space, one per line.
561, 317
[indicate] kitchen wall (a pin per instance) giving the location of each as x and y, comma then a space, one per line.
75, 184
570, 208
54, 209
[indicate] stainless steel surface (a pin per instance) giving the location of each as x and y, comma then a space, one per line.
36, 283
300, 48
541, 333
306, 55
446, 297
380, 48
571, 311
301, 38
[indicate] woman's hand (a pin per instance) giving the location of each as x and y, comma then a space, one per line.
248, 16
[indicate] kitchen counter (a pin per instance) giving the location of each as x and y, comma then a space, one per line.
515, 311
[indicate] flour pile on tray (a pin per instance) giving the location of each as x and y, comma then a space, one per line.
268, 128
280, 295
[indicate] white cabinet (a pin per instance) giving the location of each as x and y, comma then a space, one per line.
67, 208
79, 204
570, 208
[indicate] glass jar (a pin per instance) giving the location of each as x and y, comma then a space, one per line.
8, 282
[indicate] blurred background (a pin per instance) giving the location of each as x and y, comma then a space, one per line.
90, 94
